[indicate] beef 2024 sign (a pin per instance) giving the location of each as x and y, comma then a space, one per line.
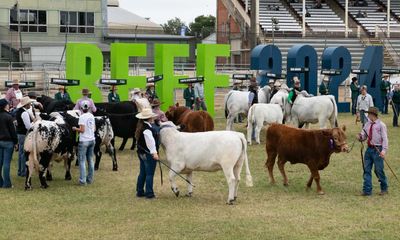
85, 62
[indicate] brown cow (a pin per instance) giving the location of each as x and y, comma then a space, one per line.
192, 121
311, 147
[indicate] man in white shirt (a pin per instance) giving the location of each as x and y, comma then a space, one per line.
86, 144
364, 102
24, 123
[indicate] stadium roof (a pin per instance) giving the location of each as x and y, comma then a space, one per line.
148, 36
121, 18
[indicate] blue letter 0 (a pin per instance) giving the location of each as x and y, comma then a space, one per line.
337, 58
266, 57
303, 56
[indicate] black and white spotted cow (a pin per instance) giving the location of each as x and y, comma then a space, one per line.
45, 140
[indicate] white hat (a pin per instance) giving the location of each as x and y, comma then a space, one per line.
85, 104
271, 81
24, 101
136, 90
146, 114
15, 81
325, 79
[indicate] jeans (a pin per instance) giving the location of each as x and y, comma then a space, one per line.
385, 104
146, 175
201, 105
21, 156
396, 108
85, 153
6, 152
363, 117
372, 157
354, 105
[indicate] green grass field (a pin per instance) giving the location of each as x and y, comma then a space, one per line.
108, 209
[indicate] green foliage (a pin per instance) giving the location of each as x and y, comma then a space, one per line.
202, 26
173, 26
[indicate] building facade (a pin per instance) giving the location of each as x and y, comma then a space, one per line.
36, 30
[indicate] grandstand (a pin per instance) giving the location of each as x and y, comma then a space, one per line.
321, 19
274, 8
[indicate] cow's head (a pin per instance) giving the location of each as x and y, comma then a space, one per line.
339, 138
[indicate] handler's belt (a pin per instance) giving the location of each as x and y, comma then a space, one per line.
374, 146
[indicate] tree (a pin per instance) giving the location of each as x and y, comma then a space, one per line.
174, 26
202, 26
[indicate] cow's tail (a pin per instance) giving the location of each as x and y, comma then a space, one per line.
335, 110
226, 103
249, 178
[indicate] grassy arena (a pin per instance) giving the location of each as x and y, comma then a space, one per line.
108, 209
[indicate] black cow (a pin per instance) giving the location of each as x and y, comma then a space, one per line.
123, 119
51, 105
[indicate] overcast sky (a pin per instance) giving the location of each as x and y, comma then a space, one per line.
160, 11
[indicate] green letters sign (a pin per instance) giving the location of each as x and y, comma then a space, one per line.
84, 62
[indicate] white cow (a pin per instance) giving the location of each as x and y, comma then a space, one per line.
259, 114
318, 109
238, 102
205, 151
281, 98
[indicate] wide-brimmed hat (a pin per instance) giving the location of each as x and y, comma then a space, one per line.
325, 79
373, 110
385, 75
156, 103
146, 114
136, 90
24, 101
85, 91
271, 81
15, 81
354, 79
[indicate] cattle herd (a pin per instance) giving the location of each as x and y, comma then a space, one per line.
189, 140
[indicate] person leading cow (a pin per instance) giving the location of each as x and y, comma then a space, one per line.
85, 97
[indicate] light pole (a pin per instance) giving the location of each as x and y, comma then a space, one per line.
275, 27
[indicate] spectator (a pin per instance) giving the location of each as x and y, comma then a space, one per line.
364, 102
136, 94
8, 138
355, 91
62, 95
150, 92
295, 90
35, 105
86, 131
85, 97
188, 95
359, 14
395, 102
14, 94
155, 105
199, 96
323, 88
147, 143
385, 90
24, 122
113, 96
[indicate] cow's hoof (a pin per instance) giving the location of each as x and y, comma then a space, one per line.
308, 188
321, 193
28, 188
258, 143
176, 194
285, 184
49, 177
189, 194
115, 169
121, 149
68, 178
234, 199
44, 186
96, 168
230, 202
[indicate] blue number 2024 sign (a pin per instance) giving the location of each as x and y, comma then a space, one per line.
302, 60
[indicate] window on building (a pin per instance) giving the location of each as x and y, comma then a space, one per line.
29, 20
76, 22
